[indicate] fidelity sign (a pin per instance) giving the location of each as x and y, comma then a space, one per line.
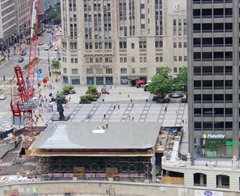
213, 136
179, 7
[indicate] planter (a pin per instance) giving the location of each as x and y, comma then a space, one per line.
84, 102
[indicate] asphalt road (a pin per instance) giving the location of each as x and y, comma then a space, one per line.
8, 71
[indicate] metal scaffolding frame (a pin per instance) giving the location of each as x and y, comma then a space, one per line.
95, 164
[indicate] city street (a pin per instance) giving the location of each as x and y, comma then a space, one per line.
7, 70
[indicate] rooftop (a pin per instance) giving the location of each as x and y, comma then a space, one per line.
95, 135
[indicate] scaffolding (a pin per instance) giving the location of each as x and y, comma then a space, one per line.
93, 167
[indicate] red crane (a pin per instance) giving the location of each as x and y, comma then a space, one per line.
22, 103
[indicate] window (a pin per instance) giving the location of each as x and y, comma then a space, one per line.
143, 70
72, 60
121, 59
174, 44
179, 44
175, 58
98, 71
122, 45
133, 70
180, 58
74, 71
185, 58
109, 71
175, 69
185, 44
76, 60
159, 59
143, 59
158, 44
123, 70
132, 45
142, 44
65, 70
125, 59
133, 59
89, 71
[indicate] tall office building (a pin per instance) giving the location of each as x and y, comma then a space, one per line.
213, 77
121, 41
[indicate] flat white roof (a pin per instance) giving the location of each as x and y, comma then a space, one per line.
91, 135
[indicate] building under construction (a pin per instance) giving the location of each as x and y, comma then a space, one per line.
96, 150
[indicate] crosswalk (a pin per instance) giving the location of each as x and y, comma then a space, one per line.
2, 114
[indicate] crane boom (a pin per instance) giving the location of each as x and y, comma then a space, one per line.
22, 103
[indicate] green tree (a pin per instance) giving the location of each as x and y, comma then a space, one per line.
55, 64
181, 79
161, 82
55, 13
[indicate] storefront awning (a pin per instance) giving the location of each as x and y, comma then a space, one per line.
133, 77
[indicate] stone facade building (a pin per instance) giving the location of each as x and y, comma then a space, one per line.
107, 42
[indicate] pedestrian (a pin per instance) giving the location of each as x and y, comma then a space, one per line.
119, 92
206, 164
165, 109
128, 95
132, 118
114, 107
182, 121
104, 116
131, 100
106, 126
129, 117
69, 99
119, 107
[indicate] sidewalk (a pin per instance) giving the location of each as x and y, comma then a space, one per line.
45, 91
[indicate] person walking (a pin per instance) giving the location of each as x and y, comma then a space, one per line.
119, 107
165, 109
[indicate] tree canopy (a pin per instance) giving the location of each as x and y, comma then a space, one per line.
55, 64
56, 13
181, 79
162, 82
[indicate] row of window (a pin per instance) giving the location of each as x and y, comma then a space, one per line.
109, 71
215, 70
213, 98
212, 12
212, 125
179, 44
211, 1
99, 60
216, 84
210, 41
179, 27
179, 58
209, 56
212, 27
98, 45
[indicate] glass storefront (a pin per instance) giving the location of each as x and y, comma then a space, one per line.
109, 80
99, 80
124, 80
90, 80
214, 147
65, 79
75, 80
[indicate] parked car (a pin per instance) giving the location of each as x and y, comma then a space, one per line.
2, 97
56, 49
20, 59
23, 52
40, 43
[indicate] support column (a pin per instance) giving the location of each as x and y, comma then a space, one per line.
201, 180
